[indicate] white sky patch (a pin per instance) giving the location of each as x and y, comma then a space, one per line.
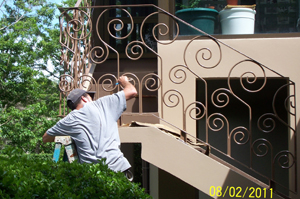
50, 67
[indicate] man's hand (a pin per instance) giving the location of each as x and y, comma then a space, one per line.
123, 80
129, 89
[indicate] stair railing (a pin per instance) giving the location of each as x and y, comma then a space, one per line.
79, 53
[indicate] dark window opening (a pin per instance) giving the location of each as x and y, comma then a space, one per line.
256, 117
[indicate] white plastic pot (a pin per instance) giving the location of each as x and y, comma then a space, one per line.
237, 21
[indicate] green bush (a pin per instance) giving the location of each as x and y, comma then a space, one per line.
35, 176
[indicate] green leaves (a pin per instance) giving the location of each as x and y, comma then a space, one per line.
25, 48
191, 4
36, 176
28, 95
25, 127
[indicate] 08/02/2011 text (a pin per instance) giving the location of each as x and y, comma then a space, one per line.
239, 192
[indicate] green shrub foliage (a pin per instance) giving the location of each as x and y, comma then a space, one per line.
37, 176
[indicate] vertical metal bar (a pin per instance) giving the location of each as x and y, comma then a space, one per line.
64, 105
145, 174
140, 95
183, 136
60, 104
295, 132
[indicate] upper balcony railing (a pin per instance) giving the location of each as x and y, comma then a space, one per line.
253, 114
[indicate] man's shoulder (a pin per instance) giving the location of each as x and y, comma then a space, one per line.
70, 116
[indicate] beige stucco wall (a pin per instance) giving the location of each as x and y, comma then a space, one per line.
278, 54
181, 160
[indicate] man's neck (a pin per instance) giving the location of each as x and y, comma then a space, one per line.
80, 105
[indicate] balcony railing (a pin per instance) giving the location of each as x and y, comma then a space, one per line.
253, 113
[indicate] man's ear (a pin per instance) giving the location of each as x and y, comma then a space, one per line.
83, 98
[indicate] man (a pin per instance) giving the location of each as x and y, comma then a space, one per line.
93, 126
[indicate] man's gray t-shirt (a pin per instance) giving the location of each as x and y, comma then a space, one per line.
94, 129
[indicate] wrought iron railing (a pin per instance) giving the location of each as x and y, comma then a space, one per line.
233, 109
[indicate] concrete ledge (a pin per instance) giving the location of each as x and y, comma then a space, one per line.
186, 163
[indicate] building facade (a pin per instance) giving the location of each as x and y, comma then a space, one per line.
223, 106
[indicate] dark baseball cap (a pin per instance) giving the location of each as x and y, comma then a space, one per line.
75, 94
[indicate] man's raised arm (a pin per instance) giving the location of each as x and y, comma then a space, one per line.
129, 89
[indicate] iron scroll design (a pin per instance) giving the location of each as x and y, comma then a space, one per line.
246, 79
